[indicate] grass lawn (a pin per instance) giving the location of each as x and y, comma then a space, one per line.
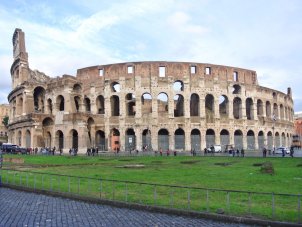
229, 173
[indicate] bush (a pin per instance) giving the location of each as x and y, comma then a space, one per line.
267, 167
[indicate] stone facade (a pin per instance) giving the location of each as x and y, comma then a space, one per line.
151, 105
4, 111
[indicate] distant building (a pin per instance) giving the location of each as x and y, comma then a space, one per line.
151, 104
4, 111
297, 137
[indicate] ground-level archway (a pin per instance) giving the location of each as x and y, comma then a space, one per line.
195, 140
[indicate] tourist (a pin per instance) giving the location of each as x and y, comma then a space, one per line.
242, 152
291, 151
237, 152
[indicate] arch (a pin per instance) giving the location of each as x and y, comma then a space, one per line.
249, 105
47, 122
178, 105
209, 107
261, 139
270, 140
77, 101
146, 140
130, 104
74, 139
19, 103
130, 140
19, 138
268, 109
275, 111
178, 86
236, 89
100, 141
87, 104
195, 140
281, 112
47, 140
179, 138
283, 140
250, 137
194, 105
115, 105
27, 138
39, 96
115, 87
277, 139
224, 138
162, 103
100, 104
77, 87
259, 107
49, 106
237, 108
59, 139
210, 137
238, 139
60, 103
223, 106
163, 139
146, 101
115, 140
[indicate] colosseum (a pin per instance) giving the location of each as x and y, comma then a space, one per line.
152, 105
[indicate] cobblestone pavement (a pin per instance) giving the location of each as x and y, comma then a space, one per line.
19, 208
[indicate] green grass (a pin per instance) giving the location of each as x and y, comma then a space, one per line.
227, 173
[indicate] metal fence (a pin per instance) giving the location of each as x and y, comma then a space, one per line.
270, 206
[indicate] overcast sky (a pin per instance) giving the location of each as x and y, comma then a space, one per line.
64, 35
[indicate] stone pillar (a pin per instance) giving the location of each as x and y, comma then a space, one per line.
244, 140
217, 138
24, 104
138, 137
202, 108
203, 140
187, 106
154, 108
216, 108
188, 144
256, 142
171, 140
231, 114
243, 108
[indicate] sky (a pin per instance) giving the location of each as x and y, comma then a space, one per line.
65, 35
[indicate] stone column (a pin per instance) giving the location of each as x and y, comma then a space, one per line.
202, 108
188, 144
256, 142
138, 137
243, 108
244, 140
171, 140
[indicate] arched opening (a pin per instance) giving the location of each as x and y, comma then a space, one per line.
49, 106
100, 104
74, 139
249, 105
77, 88
250, 140
210, 138
60, 139
20, 105
268, 109
179, 138
283, 140
270, 140
115, 105
60, 103
236, 89
238, 139
146, 139
223, 106
162, 103
115, 140
261, 139
130, 140
237, 108
194, 105
19, 138
259, 107
39, 95
209, 107
224, 139
115, 87
47, 126
130, 104
277, 139
178, 106
77, 101
178, 86
276, 112
163, 139
87, 104
195, 140
47, 140
100, 140
146, 103
28, 138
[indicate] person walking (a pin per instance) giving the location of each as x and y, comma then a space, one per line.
242, 152
291, 151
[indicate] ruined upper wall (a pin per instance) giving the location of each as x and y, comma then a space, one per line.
177, 70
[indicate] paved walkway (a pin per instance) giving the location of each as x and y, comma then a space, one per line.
19, 208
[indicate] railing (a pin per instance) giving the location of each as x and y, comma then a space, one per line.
272, 206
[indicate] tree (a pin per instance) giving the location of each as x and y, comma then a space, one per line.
5, 121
